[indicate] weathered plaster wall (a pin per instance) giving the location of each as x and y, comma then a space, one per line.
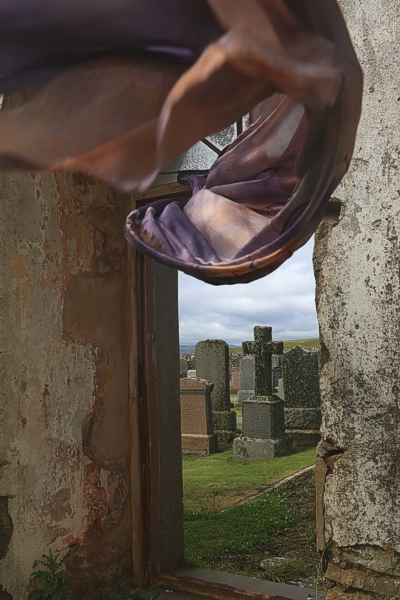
64, 417
357, 266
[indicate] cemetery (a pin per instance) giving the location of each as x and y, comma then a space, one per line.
214, 137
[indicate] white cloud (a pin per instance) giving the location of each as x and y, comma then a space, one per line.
283, 300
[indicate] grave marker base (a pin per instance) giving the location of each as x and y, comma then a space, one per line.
244, 395
250, 448
304, 438
199, 445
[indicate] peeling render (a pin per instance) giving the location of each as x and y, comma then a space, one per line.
356, 262
64, 417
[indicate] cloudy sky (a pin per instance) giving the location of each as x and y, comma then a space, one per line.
283, 300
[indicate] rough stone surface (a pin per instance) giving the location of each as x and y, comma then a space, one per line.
212, 363
263, 418
64, 408
198, 437
247, 448
262, 348
263, 421
356, 263
302, 418
301, 378
224, 420
245, 395
246, 370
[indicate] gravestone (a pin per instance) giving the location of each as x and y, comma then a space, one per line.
212, 364
302, 395
246, 374
276, 376
263, 420
191, 373
235, 382
197, 434
184, 365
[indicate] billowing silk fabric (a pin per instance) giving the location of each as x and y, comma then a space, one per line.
122, 87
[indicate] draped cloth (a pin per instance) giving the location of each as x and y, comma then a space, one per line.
123, 87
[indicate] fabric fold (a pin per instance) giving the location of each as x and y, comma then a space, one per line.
122, 88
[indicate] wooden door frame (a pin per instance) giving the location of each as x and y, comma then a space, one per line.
156, 455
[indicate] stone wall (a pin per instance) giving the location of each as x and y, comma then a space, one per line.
64, 412
356, 262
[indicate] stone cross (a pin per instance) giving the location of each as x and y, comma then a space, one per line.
262, 349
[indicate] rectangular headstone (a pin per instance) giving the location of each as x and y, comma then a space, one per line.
191, 373
246, 373
184, 365
235, 382
302, 395
212, 364
301, 378
196, 418
280, 389
276, 376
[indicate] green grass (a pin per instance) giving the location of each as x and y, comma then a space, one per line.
311, 343
279, 523
218, 481
288, 344
238, 530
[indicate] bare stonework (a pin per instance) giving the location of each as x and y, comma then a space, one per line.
356, 265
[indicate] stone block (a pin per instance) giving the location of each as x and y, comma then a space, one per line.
246, 373
301, 377
263, 417
251, 448
245, 395
197, 436
304, 438
184, 365
199, 445
302, 418
235, 382
212, 364
224, 420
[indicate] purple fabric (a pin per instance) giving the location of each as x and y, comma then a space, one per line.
126, 86
38, 38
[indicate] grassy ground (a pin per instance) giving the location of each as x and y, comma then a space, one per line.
288, 344
216, 482
280, 523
